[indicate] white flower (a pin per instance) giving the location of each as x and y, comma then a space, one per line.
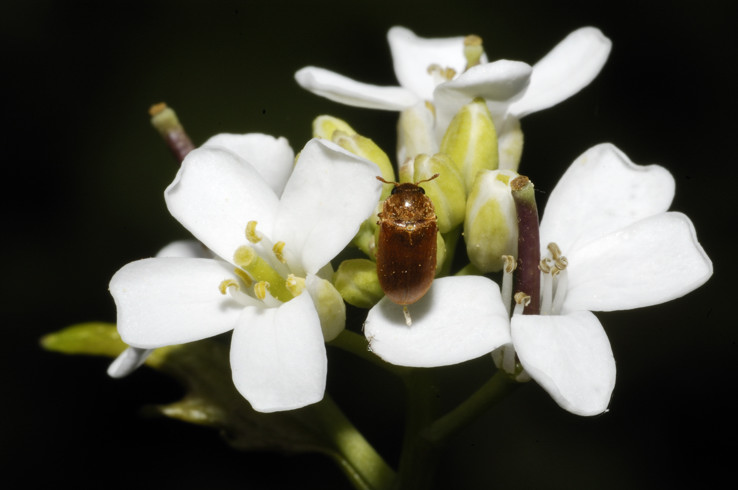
617, 248
281, 240
512, 89
459, 318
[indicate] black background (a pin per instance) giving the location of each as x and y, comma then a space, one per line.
83, 175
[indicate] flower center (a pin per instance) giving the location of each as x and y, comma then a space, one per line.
553, 267
262, 275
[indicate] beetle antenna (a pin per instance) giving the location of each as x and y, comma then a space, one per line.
427, 180
387, 181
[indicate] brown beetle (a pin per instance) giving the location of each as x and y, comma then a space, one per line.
406, 248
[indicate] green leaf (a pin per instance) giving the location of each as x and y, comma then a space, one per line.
203, 367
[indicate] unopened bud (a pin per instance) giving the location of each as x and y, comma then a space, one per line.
357, 282
471, 141
329, 305
324, 127
415, 132
447, 192
490, 227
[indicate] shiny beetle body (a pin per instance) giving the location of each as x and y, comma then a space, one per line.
406, 248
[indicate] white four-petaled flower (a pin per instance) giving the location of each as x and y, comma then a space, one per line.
434, 70
623, 250
233, 194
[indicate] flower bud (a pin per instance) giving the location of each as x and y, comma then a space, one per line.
366, 238
471, 141
510, 144
324, 126
329, 305
490, 228
366, 148
415, 132
446, 191
356, 280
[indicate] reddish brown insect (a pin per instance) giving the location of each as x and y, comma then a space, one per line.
406, 249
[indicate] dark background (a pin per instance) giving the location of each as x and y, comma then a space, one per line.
83, 174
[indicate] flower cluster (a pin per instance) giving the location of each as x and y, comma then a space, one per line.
269, 227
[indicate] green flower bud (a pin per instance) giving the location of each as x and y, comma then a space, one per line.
366, 238
324, 127
356, 280
490, 228
366, 148
446, 191
471, 141
415, 132
329, 305
440, 253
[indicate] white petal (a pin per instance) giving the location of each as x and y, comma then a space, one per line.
166, 301
565, 70
499, 83
215, 194
185, 248
271, 157
331, 192
412, 55
569, 356
650, 262
460, 318
603, 191
344, 90
278, 356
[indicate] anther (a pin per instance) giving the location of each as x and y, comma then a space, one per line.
243, 275
261, 289
228, 283
278, 250
555, 250
251, 234
521, 301
295, 285
521, 298
444, 74
545, 265
510, 264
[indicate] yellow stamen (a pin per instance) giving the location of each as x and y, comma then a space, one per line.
251, 233
510, 264
295, 285
429, 105
522, 299
278, 250
444, 73
243, 275
227, 283
260, 289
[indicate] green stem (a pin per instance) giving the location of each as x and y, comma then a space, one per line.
357, 345
493, 391
363, 466
419, 455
